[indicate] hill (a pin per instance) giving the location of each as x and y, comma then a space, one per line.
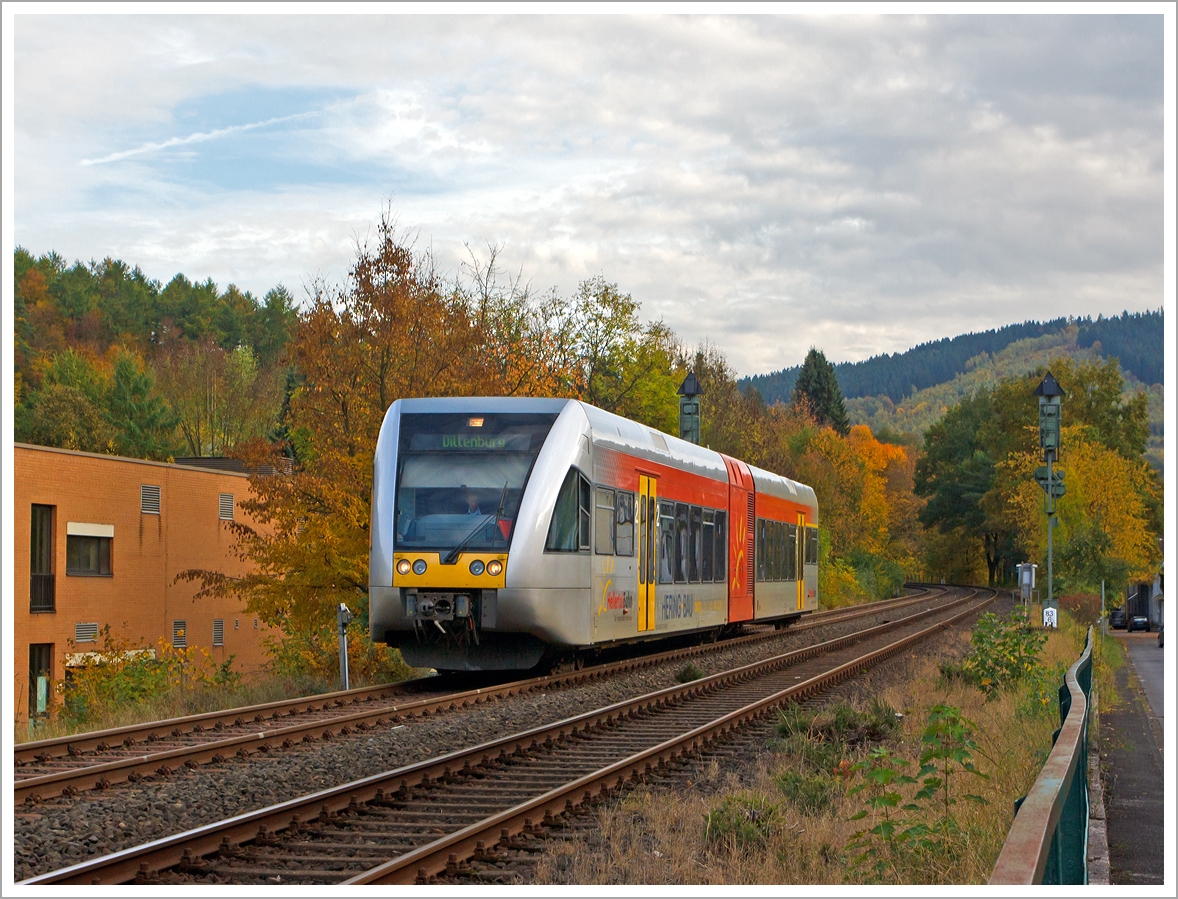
911, 417
1136, 339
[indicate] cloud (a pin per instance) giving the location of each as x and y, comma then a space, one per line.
857, 183
196, 138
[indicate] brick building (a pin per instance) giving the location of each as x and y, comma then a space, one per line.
99, 541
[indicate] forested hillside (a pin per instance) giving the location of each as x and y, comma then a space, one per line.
914, 415
108, 360
1134, 338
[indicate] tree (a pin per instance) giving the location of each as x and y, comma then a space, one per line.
143, 425
219, 398
818, 389
956, 473
395, 329
617, 364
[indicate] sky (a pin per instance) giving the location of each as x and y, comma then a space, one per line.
765, 182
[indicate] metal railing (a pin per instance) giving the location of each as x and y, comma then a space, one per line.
1048, 840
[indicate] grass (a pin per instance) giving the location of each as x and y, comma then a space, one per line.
178, 702
790, 819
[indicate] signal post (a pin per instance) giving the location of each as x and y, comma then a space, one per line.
1050, 478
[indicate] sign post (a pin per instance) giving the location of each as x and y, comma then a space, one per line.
1050, 478
343, 615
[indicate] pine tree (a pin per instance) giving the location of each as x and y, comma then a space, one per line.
818, 389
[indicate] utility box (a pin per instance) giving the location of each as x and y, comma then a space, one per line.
1026, 579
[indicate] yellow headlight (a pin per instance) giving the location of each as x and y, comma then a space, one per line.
494, 568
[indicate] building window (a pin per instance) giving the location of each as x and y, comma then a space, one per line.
225, 506
218, 631
42, 589
86, 632
87, 556
40, 678
180, 634
149, 499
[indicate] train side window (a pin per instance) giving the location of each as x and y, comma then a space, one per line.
694, 543
605, 525
707, 550
770, 550
720, 539
624, 524
760, 549
666, 552
811, 546
568, 531
792, 552
778, 551
680, 543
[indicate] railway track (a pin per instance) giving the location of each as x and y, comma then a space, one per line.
102, 759
417, 821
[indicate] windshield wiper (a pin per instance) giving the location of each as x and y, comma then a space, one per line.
452, 555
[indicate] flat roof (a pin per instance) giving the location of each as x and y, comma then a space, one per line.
110, 458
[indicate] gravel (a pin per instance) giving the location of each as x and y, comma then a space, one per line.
62, 832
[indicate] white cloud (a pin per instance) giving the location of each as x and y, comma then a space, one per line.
769, 182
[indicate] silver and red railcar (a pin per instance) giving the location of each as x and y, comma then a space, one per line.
506, 532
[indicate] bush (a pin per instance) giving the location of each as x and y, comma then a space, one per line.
810, 794
688, 673
878, 576
120, 675
1005, 652
1083, 607
746, 819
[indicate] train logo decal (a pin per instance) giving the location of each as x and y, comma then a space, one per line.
738, 545
608, 567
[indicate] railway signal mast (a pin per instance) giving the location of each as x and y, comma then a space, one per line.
1049, 477
689, 394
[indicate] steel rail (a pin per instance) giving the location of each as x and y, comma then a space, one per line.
1032, 835
130, 734
416, 866
122, 866
135, 766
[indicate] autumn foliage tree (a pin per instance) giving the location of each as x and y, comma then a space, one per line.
395, 329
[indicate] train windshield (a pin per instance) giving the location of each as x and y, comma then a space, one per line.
460, 478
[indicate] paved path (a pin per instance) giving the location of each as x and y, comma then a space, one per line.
1131, 756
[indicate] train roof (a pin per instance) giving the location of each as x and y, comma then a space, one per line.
616, 432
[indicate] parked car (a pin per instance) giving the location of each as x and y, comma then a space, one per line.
1117, 619
1138, 623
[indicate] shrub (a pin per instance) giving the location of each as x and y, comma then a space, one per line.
745, 819
1004, 652
810, 794
120, 675
688, 673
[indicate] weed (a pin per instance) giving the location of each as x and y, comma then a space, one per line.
810, 794
906, 835
745, 819
688, 673
1004, 652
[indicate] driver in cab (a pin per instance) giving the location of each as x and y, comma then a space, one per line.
472, 501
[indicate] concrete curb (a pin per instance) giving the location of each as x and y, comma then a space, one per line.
1098, 863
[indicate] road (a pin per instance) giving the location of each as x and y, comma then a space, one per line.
1146, 657
1131, 758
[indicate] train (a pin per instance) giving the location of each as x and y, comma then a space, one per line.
516, 533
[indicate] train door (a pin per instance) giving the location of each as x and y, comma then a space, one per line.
648, 519
800, 549
740, 541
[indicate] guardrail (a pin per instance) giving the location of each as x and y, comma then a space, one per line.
1048, 840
